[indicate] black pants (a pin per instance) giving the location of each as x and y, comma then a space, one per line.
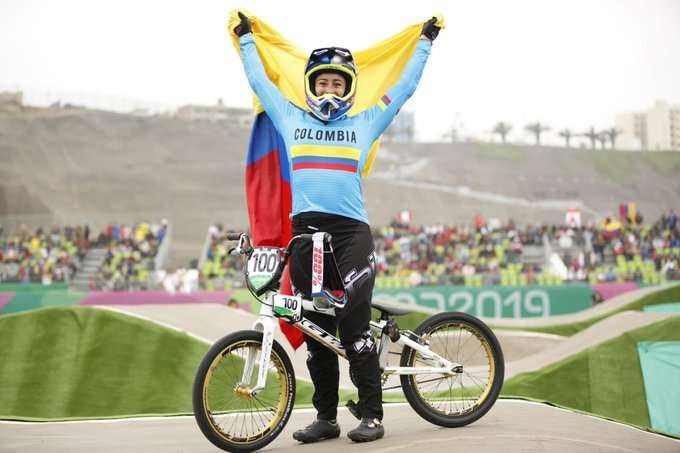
354, 253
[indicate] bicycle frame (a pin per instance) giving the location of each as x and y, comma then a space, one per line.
265, 323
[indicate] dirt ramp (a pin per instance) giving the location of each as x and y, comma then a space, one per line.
210, 322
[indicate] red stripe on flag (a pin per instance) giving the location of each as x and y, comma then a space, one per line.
302, 166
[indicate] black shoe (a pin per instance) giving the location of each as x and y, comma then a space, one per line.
319, 430
369, 429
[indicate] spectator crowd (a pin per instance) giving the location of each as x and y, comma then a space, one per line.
43, 255
219, 269
130, 257
55, 255
484, 252
492, 253
489, 252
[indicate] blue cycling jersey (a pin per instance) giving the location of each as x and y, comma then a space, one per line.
326, 160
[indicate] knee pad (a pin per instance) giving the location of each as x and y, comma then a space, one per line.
362, 345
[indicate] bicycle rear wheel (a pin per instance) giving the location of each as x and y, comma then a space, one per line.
458, 400
227, 413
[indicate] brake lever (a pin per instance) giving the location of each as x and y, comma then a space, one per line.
243, 246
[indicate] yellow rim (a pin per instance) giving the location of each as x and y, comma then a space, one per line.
463, 396
237, 428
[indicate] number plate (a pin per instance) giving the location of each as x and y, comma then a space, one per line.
288, 306
262, 264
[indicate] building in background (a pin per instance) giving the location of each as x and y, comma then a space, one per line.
235, 116
633, 127
402, 129
657, 129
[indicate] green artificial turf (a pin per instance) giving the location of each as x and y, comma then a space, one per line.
70, 363
79, 362
604, 380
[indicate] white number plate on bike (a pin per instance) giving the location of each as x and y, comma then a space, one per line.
288, 306
262, 264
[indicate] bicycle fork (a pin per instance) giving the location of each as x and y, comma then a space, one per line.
266, 324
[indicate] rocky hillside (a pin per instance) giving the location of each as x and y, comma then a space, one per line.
73, 165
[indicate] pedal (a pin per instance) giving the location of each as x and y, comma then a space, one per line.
353, 409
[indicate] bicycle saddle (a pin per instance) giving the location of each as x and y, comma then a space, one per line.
390, 309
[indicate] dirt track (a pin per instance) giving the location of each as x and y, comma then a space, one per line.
523, 351
210, 322
511, 426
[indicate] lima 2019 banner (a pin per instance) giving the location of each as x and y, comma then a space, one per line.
494, 301
489, 302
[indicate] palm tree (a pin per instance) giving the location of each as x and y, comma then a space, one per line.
612, 133
502, 129
602, 137
537, 129
566, 134
592, 135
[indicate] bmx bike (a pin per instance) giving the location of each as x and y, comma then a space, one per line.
450, 368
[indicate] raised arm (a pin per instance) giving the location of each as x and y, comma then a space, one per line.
382, 114
274, 102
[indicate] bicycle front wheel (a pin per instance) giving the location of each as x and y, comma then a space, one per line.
459, 399
228, 414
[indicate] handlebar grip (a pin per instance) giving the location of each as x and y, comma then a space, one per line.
233, 236
307, 237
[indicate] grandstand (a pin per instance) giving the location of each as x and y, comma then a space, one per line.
505, 255
66, 166
120, 257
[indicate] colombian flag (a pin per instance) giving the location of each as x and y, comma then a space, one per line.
267, 177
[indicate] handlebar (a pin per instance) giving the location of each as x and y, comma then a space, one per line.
273, 283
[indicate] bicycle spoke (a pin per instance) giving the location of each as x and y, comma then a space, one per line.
244, 417
455, 395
